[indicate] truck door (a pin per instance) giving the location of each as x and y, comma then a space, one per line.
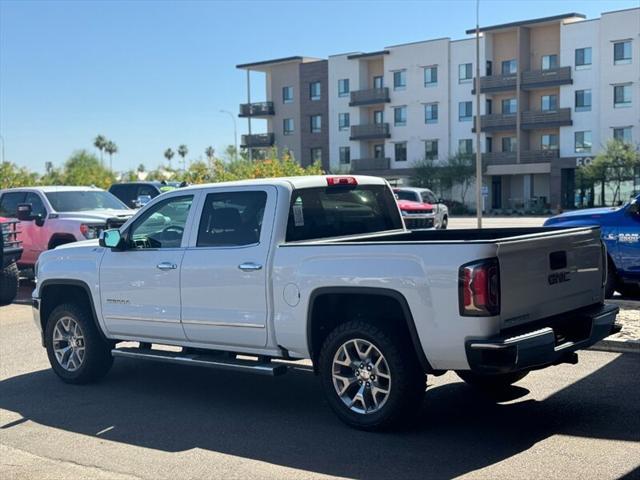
629, 241
140, 286
225, 270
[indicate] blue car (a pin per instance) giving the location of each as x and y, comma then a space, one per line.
621, 233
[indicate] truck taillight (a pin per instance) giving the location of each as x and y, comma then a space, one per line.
479, 288
334, 181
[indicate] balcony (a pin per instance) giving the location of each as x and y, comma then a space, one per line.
526, 156
545, 119
496, 122
371, 131
259, 109
370, 164
496, 83
258, 140
546, 78
370, 96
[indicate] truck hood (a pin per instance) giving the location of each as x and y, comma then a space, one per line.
82, 243
409, 205
97, 216
590, 214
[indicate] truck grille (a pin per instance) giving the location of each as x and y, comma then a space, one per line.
417, 223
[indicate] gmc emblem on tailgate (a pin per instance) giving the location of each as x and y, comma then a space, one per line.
559, 277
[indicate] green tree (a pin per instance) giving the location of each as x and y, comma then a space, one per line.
614, 165
168, 154
459, 170
13, 176
182, 151
428, 174
111, 148
83, 168
100, 142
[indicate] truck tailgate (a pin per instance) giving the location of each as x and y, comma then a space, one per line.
549, 274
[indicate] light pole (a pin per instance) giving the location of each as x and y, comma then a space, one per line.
235, 131
478, 150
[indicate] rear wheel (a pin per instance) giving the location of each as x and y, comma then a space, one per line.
612, 280
369, 376
630, 290
9, 278
76, 350
491, 382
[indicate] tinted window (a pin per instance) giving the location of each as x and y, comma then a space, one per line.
9, 203
162, 226
82, 200
407, 195
428, 197
37, 207
126, 193
343, 210
231, 219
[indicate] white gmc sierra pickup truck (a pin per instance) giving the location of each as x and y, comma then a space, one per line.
243, 275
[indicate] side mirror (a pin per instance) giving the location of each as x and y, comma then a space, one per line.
441, 200
25, 214
110, 239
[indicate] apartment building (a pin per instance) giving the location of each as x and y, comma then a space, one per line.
295, 113
553, 91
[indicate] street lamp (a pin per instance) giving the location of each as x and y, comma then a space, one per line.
235, 131
478, 151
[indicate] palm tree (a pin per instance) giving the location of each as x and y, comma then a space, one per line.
100, 142
168, 154
210, 152
111, 148
182, 151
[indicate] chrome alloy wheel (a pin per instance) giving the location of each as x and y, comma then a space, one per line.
361, 376
68, 344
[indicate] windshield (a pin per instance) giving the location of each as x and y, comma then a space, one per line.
406, 195
83, 200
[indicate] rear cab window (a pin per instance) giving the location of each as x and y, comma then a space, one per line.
336, 211
9, 203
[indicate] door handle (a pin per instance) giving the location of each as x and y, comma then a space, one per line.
249, 267
166, 266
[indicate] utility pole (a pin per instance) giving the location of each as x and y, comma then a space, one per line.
478, 149
235, 132
249, 113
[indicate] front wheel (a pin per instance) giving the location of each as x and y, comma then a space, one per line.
9, 278
491, 382
370, 377
445, 223
76, 350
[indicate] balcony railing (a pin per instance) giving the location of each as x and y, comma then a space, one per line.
526, 156
496, 121
497, 83
546, 78
546, 118
369, 97
370, 132
370, 164
259, 109
257, 140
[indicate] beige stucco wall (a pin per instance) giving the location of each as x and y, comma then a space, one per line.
280, 76
535, 96
505, 46
536, 135
544, 40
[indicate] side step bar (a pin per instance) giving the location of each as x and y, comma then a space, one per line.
221, 362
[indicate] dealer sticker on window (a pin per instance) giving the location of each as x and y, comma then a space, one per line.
298, 216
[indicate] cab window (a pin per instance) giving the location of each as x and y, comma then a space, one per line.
37, 207
9, 203
162, 226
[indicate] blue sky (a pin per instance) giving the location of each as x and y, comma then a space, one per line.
155, 74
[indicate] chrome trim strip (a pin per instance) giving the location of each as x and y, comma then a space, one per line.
222, 324
140, 319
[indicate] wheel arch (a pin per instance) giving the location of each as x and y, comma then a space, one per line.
60, 239
378, 301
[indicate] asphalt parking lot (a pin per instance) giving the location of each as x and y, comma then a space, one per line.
156, 421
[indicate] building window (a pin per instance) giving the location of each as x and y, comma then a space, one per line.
343, 87
583, 58
378, 150
345, 155
549, 141
583, 101
401, 151
548, 102
378, 117
431, 149
583, 142
344, 121
431, 113
400, 80
314, 90
316, 155
622, 52
465, 146
549, 62
430, 76
509, 67
287, 126
621, 96
287, 94
316, 123
377, 81
509, 144
465, 72
509, 106
622, 134
400, 116
465, 111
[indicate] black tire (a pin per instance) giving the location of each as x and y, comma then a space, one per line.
97, 358
612, 280
406, 387
9, 279
445, 223
630, 291
491, 382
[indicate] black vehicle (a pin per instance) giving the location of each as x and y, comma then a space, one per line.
10, 253
138, 194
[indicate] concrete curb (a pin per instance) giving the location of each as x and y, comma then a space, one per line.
617, 346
